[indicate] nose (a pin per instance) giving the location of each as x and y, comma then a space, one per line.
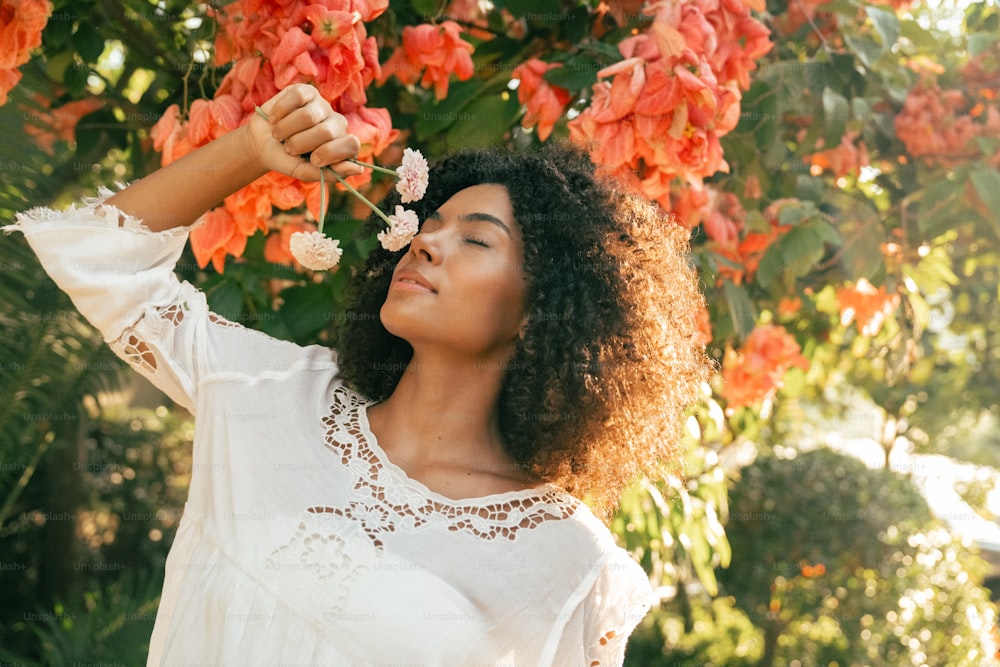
426, 246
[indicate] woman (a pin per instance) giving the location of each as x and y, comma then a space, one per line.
408, 498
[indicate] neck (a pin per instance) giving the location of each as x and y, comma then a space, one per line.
445, 410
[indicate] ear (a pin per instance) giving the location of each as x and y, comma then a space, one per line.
522, 327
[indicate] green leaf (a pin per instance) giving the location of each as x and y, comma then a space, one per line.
307, 309
809, 188
56, 34
484, 121
88, 43
794, 214
987, 185
933, 272
425, 8
759, 113
770, 267
981, 41
827, 232
845, 7
801, 249
604, 49
865, 49
546, 11
921, 313
741, 309
836, 113
435, 118
575, 74
919, 36
56, 64
75, 78
936, 211
886, 25
226, 300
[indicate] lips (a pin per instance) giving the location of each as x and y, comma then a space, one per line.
410, 279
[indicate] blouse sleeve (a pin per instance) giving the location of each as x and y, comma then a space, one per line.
600, 624
120, 276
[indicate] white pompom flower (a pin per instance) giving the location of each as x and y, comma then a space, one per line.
413, 176
403, 226
314, 250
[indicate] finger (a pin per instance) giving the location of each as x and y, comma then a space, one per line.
347, 168
312, 137
288, 100
314, 122
335, 151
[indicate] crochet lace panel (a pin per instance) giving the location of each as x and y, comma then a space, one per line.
337, 544
134, 350
131, 346
385, 500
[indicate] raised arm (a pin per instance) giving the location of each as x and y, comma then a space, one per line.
301, 121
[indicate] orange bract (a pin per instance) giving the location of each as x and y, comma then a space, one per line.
21, 24
659, 117
437, 51
755, 372
545, 103
869, 306
59, 123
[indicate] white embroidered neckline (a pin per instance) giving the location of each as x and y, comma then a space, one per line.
385, 488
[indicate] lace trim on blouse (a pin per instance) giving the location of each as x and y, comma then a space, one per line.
131, 346
385, 499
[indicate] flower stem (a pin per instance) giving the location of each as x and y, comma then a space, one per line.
322, 200
375, 167
364, 199
322, 184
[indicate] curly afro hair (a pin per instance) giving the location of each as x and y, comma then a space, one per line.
611, 356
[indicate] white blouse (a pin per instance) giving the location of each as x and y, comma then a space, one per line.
301, 543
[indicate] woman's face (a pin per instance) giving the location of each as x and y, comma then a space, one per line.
460, 285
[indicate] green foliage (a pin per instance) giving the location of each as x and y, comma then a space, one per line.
838, 563
719, 634
110, 626
674, 525
126, 480
934, 368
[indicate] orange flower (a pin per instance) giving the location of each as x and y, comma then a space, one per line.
755, 372
60, 123
724, 221
272, 44
545, 103
789, 306
251, 80
170, 136
210, 119
373, 127
21, 24
331, 26
292, 59
276, 249
933, 124
660, 116
437, 50
369, 9
752, 188
216, 237
745, 255
846, 158
866, 304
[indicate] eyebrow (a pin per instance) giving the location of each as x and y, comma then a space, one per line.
477, 217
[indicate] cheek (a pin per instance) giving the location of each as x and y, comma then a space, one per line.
503, 295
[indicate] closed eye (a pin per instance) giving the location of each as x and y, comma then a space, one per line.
476, 241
